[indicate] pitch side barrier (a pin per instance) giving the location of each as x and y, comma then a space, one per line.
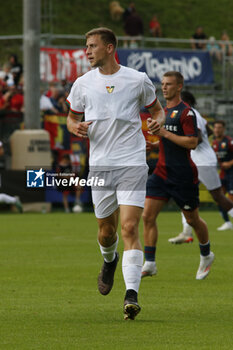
196, 66
222, 84
23, 183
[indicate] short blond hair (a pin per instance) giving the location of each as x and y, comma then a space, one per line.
173, 73
106, 34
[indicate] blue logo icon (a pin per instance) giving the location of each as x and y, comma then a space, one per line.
35, 178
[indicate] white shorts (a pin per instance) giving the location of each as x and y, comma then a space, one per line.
123, 186
208, 175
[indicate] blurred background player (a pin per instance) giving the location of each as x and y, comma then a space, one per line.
223, 147
5, 198
15, 201
206, 161
175, 176
65, 169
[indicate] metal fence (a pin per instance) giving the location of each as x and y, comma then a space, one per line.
214, 101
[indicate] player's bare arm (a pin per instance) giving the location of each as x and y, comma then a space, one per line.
76, 126
189, 142
227, 165
199, 135
157, 119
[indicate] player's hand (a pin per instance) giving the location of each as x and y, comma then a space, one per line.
153, 126
80, 129
151, 145
226, 165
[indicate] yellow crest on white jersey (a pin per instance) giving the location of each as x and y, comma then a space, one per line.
110, 89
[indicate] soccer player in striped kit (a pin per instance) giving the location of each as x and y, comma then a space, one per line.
175, 176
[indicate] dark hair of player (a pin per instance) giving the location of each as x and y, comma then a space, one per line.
220, 122
188, 98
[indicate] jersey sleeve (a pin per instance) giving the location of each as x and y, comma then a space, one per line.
74, 99
149, 97
201, 122
189, 122
215, 146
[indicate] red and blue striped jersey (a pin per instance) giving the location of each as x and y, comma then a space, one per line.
224, 152
175, 163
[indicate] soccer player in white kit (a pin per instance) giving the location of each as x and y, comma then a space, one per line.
110, 96
206, 161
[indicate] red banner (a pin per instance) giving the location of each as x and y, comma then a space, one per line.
58, 64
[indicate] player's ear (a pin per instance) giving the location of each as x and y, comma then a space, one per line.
180, 87
110, 48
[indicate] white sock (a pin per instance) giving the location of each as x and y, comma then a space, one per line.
132, 268
5, 198
187, 229
109, 253
230, 212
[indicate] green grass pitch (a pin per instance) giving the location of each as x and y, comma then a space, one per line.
49, 299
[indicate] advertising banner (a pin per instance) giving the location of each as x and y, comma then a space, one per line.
58, 64
195, 66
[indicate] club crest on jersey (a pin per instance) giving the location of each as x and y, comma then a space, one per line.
223, 144
173, 115
110, 89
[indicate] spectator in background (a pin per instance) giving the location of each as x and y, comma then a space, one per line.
16, 68
58, 99
214, 49
226, 46
116, 10
198, 35
6, 75
66, 87
2, 160
155, 27
49, 91
133, 27
12, 99
17, 99
3, 90
46, 105
128, 11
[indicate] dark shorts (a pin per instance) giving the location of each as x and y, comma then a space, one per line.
227, 181
186, 195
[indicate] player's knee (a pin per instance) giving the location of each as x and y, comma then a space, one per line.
129, 228
106, 230
217, 197
191, 221
148, 219
194, 221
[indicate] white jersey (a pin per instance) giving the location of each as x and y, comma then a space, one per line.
203, 154
112, 103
